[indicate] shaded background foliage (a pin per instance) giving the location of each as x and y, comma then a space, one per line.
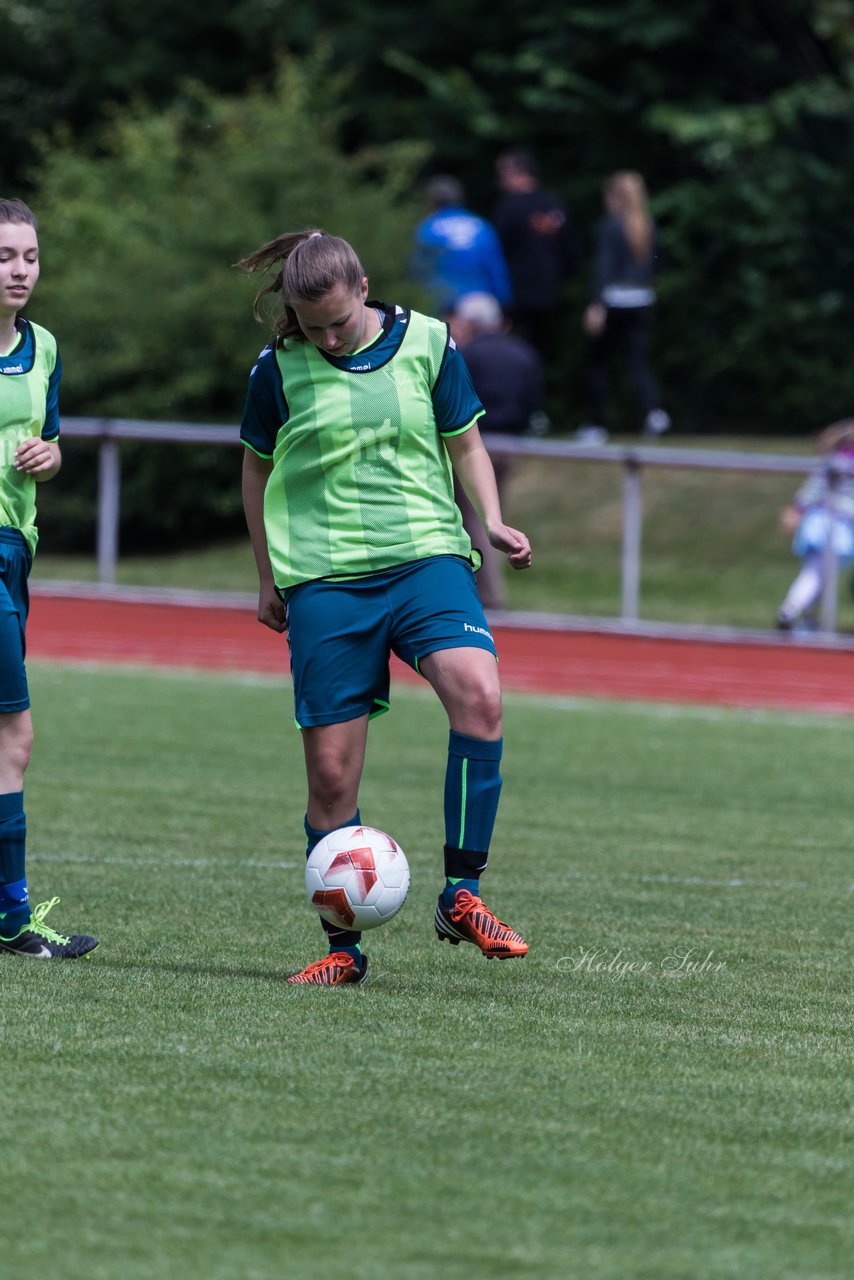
159, 144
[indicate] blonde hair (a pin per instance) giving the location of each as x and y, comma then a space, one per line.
626, 191
309, 264
839, 435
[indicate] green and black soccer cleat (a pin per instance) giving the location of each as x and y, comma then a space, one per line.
39, 942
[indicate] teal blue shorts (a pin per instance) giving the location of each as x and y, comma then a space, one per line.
15, 562
341, 633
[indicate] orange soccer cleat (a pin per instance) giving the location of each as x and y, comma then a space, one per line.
332, 971
468, 920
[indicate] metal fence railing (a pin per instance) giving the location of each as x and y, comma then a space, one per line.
633, 459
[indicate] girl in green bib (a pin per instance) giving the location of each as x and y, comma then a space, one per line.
358, 414
30, 370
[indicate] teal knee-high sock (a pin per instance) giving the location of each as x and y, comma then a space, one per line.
14, 900
339, 939
472, 792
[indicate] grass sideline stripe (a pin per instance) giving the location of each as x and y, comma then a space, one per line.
255, 864
110, 860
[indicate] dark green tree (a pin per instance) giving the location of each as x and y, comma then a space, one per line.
738, 114
740, 117
71, 62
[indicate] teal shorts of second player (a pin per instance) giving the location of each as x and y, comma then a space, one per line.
342, 632
15, 562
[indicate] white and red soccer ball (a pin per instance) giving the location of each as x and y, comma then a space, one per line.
357, 877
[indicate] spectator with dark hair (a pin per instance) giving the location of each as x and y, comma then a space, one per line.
619, 316
457, 251
540, 244
507, 376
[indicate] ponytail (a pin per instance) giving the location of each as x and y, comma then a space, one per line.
308, 265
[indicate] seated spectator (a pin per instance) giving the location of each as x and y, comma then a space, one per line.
822, 510
456, 251
507, 377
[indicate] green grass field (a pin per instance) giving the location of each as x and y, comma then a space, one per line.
713, 551
596, 1110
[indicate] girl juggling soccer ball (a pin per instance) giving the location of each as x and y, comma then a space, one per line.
30, 370
355, 415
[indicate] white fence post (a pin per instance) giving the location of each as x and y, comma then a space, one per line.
632, 528
829, 559
109, 487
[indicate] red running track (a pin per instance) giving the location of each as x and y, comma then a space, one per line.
590, 664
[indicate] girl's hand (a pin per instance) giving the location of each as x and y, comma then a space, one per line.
37, 457
271, 609
594, 319
514, 543
790, 518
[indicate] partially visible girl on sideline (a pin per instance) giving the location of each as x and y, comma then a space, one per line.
30, 370
619, 317
821, 512
355, 415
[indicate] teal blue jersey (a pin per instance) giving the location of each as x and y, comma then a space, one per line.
361, 478
29, 406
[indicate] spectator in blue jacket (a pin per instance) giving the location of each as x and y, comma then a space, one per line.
456, 251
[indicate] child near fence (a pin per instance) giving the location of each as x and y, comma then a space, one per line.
822, 511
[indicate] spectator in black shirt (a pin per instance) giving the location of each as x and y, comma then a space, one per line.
540, 245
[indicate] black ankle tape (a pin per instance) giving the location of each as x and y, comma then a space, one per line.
464, 864
340, 937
